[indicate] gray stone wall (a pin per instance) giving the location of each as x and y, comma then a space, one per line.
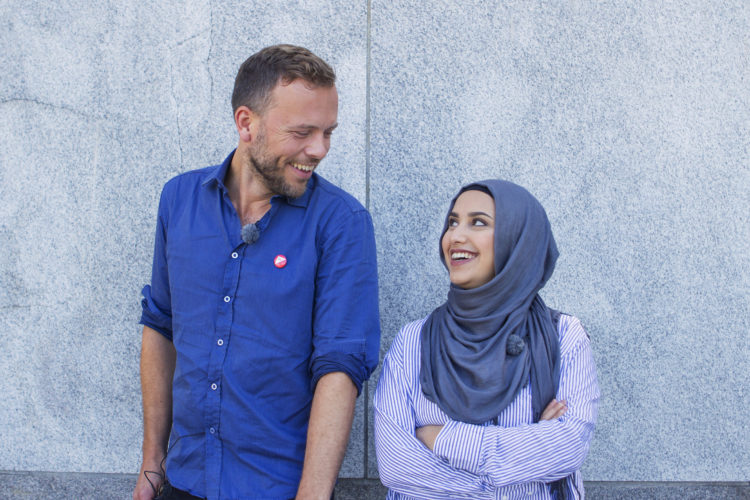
630, 121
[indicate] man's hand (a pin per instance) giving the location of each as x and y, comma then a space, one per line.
555, 409
428, 434
145, 490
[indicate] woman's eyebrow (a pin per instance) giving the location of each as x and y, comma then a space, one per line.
474, 214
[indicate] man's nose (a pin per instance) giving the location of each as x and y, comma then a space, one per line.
318, 146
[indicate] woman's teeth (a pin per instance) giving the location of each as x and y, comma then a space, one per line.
461, 255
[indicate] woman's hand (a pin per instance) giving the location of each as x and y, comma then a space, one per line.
555, 409
428, 435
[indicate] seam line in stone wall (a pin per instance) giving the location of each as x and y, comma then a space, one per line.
367, 108
366, 426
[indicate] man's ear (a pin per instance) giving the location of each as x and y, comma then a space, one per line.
246, 122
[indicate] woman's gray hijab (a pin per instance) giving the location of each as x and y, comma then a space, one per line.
481, 346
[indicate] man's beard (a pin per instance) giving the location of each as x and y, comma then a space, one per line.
272, 172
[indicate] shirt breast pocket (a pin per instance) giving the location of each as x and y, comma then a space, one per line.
277, 293
272, 329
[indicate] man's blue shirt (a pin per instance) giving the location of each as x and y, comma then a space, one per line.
253, 337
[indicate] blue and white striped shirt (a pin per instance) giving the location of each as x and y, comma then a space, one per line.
514, 458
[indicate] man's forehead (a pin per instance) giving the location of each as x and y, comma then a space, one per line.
299, 85
286, 81
304, 106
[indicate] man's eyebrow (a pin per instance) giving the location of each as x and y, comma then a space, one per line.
313, 127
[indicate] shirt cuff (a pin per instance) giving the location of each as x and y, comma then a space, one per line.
153, 316
461, 445
350, 364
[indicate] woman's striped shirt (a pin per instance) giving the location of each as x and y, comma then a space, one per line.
513, 458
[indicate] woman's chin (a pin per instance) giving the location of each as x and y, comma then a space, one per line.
469, 283
463, 284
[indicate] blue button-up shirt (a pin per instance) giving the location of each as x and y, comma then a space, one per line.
253, 334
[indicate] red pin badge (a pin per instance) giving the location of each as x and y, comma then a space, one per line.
279, 261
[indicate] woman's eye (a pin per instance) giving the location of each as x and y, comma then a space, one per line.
452, 223
479, 222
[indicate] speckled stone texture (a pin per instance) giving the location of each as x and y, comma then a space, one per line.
100, 104
65, 486
629, 121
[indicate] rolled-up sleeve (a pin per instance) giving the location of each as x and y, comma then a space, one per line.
346, 323
156, 310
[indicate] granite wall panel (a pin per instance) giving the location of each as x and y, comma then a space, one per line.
630, 122
100, 105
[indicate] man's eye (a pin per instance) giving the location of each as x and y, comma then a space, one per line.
301, 134
328, 135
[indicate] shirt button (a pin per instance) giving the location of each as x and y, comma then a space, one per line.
220, 342
212, 430
234, 255
227, 299
213, 387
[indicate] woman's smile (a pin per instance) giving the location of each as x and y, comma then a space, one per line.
459, 257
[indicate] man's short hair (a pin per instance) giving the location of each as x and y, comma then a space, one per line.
260, 73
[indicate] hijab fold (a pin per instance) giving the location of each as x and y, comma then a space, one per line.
467, 366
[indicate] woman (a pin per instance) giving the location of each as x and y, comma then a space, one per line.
493, 395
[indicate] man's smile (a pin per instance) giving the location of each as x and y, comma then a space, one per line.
303, 167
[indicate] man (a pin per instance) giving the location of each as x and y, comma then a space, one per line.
261, 321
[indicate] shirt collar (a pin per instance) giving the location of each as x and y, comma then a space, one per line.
219, 172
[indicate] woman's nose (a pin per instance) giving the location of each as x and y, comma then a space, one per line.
458, 234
